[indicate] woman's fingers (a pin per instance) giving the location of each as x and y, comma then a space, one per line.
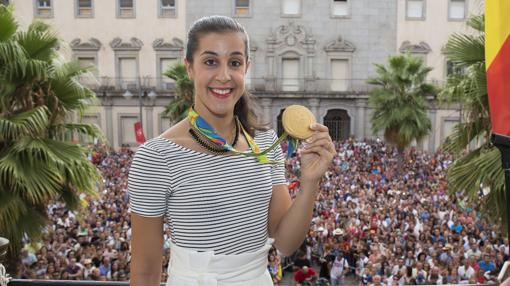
323, 143
319, 127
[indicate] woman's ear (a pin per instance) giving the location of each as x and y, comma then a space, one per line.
188, 69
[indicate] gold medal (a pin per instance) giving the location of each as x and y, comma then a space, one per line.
296, 121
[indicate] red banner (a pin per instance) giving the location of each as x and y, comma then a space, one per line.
140, 138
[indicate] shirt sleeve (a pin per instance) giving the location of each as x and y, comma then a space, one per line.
148, 183
277, 170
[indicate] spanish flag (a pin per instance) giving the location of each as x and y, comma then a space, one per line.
497, 60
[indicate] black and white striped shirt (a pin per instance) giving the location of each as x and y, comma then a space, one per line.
211, 202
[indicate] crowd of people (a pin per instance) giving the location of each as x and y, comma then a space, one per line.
380, 218
388, 218
92, 244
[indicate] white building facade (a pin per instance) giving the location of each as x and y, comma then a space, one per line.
315, 53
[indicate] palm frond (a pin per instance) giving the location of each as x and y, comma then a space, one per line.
8, 23
486, 160
177, 108
12, 59
36, 182
23, 124
477, 23
463, 134
68, 130
68, 92
39, 41
465, 49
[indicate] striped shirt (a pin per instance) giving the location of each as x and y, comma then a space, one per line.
211, 202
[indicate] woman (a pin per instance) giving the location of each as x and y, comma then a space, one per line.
224, 209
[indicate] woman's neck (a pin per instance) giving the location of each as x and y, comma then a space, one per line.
223, 125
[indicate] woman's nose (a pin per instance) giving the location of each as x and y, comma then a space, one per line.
223, 74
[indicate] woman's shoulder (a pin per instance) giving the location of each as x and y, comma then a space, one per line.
167, 142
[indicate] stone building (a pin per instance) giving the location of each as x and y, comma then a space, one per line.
318, 53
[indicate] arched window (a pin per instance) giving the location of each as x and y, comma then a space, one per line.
339, 124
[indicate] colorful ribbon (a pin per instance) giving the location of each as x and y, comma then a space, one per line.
199, 123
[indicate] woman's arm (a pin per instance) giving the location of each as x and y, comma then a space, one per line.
289, 221
146, 250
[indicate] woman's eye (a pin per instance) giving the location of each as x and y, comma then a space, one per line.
236, 63
210, 62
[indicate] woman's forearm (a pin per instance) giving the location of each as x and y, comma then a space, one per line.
295, 224
145, 278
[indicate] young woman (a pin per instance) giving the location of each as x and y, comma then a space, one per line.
224, 209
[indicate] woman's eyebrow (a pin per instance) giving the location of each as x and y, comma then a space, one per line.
236, 53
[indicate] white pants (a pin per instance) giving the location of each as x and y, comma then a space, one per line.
193, 268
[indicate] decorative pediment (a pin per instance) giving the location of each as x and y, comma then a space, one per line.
160, 45
340, 45
133, 45
421, 48
293, 36
92, 45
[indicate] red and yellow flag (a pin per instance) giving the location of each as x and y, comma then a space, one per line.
497, 60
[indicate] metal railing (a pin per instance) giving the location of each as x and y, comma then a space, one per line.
21, 282
268, 84
254, 84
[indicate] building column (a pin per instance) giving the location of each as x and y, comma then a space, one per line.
314, 107
432, 137
360, 119
108, 113
149, 121
266, 109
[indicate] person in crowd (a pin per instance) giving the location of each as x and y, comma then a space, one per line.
304, 274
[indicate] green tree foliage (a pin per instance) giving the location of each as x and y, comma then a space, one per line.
38, 161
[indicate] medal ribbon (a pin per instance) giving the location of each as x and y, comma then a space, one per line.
199, 123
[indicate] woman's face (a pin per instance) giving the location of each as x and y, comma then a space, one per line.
218, 70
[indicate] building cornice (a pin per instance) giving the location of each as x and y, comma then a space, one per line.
160, 45
340, 45
92, 45
421, 48
134, 44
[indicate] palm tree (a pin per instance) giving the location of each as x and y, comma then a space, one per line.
478, 163
177, 109
38, 163
399, 103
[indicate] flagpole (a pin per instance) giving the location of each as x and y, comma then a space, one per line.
503, 144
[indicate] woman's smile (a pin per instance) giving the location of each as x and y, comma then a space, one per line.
221, 93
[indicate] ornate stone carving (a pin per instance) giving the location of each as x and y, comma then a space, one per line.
160, 45
291, 35
133, 45
340, 45
92, 45
421, 48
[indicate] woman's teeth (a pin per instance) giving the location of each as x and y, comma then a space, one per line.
221, 91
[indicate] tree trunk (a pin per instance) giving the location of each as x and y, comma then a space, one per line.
400, 161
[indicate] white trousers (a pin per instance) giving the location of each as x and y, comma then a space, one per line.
193, 268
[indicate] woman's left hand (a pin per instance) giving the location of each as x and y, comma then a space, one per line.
317, 155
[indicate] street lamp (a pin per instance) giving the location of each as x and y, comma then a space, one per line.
142, 91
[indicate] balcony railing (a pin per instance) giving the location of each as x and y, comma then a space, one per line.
283, 85
20, 282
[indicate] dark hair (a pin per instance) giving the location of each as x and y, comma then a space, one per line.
246, 108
